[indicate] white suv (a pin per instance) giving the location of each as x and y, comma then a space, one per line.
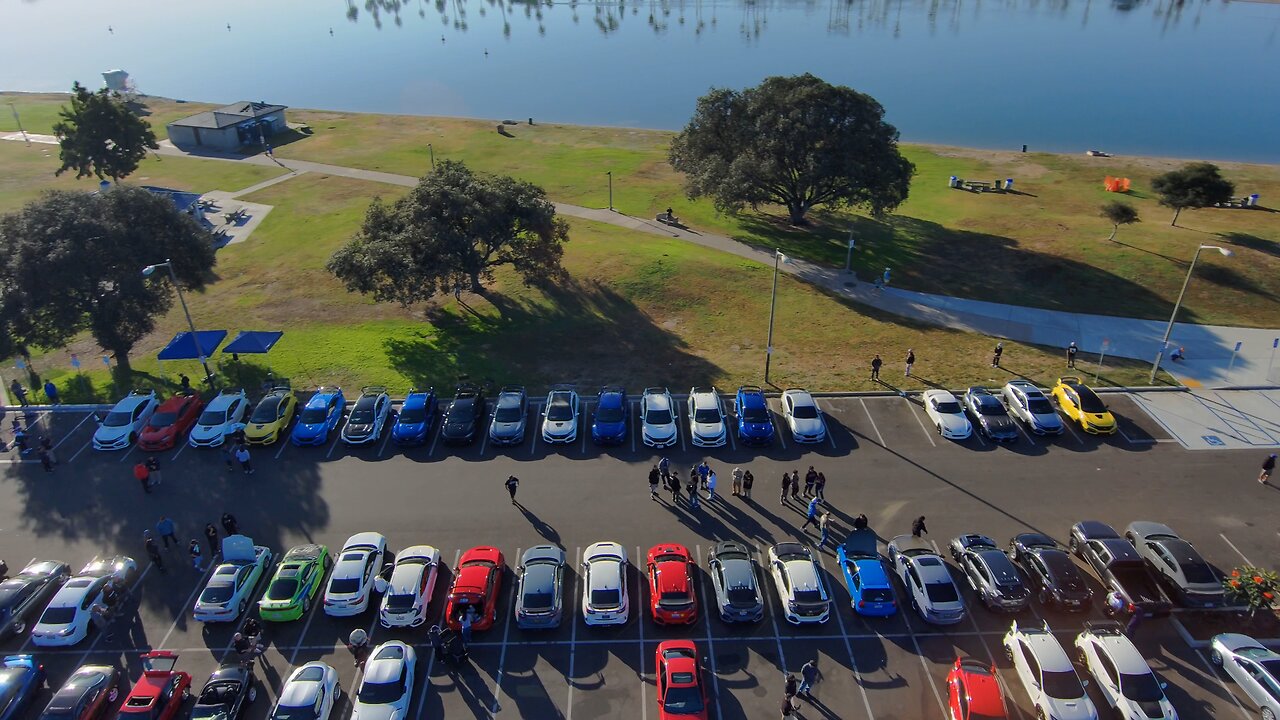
1123, 675
706, 418
799, 584
658, 417
222, 416
1047, 674
604, 585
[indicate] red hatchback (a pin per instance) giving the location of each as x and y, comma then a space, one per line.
476, 585
973, 692
671, 594
160, 692
170, 422
681, 695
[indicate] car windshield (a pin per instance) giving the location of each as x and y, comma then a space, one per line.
1063, 685
282, 589
1038, 405
1198, 573
560, 410
361, 416
462, 410
808, 596
536, 601
742, 597
674, 600
604, 599
755, 414
344, 586
117, 419
609, 415
58, 615
282, 712
943, 592
400, 602
372, 693
163, 420
1089, 401
683, 700
413, 416
1142, 687
217, 593
213, 417
658, 417
949, 407
804, 412
266, 411
990, 406
208, 712
706, 415
10, 684
508, 413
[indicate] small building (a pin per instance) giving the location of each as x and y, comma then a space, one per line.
229, 127
186, 202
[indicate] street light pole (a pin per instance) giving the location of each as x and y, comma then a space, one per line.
773, 304
610, 174
195, 338
1155, 367
433, 155
848, 258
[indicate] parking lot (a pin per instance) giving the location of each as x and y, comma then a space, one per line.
881, 458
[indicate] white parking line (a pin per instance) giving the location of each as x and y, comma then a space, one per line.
72, 431
873, 423
383, 448
635, 425
1233, 547
728, 431
773, 620
711, 642
316, 609
573, 636
534, 430
484, 432
182, 445
644, 706
585, 425
1067, 424
426, 684
186, 607
679, 422
336, 439
128, 452
502, 656
439, 431
1025, 434
776, 431
1213, 672
848, 647
84, 447
284, 443
912, 408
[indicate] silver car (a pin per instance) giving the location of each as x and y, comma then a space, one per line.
930, 589
1177, 564
540, 588
1254, 668
1027, 403
733, 574
510, 414
24, 595
990, 573
989, 416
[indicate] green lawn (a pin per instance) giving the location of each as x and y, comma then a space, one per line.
39, 111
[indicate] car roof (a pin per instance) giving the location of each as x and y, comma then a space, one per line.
383, 666
1146, 528
224, 401
605, 575
542, 553
658, 401
1096, 530
302, 693
1032, 538
803, 574
375, 539
999, 565
931, 569
940, 395
703, 397
129, 402
1119, 648
510, 398
738, 572
1046, 648
176, 403
907, 543
414, 400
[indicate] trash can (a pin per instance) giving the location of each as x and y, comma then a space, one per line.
953, 182
1008, 183
1253, 200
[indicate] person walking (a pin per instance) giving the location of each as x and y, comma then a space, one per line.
673, 484
19, 392
789, 708
46, 462
153, 550
736, 476
811, 515
143, 476
711, 485
824, 526
786, 487
809, 479
790, 686
1268, 466
51, 392
918, 528
809, 676
1071, 354
995, 355
465, 623
664, 467
197, 555
692, 489
229, 524
167, 531
20, 438
229, 456
654, 476
876, 362
513, 484
747, 481
46, 446
911, 360
153, 470
820, 487
704, 471
242, 457
211, 538
795, 485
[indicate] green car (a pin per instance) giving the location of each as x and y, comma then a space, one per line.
298, 576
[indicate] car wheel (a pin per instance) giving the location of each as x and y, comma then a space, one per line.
19, 627
1039, 714
244, 604
1268, 714
306, 604
113, 695
1081, 658
133, 437
1074, 545
253, 694
939, 428
186, 693
1215, 657
1045, 598
1008, 653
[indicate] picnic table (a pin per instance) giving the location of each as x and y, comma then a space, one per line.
1246, 201
235, 217
978, 186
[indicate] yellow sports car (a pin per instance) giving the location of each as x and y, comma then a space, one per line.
271, 417
1083, 406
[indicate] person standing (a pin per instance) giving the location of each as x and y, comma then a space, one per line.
211, 538
167, 531
654, 476
820, 487
673, 484
885, 278
809, 479
795, 485
737, 481
811, 515
153, 550
664, 467
229, 456
824, 526
995, 355
1071, 354
242, 457
184, 384
153, 471
809, 675
197, 555
692, 489
918, 528
465, 623
1268, 466
20, 438
911, 360
711, 485
788, 708
747, 481
143, 476
513, 484
229, 524
46, 446
786, 487
19, 392
45, 461
704, 471
876, 362
790, 686
51, 392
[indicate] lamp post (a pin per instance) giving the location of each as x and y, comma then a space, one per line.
610, 174
433, 155
1155, 367
778, 257
848, 258
195, 338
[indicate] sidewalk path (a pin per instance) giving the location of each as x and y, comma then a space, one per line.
1209, 348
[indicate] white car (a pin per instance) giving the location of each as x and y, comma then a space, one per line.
67, 618
368, 417
1122, 674
122, 426
1047, 674
386, 689
1028, 403
230, 588
933, 593
309, 694
803, 416
560, 417
658, 426
706, 418
947, 416
1253, 667
412, 584
799, 584
221, 417
604, 585
351, 582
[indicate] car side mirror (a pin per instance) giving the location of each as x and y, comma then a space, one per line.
1084, 683
1164, 686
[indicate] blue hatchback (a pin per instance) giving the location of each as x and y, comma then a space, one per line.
609, 424
319, 417
755, 423
20, 679
864, 575
413, 424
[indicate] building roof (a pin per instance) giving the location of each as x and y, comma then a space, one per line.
228, 115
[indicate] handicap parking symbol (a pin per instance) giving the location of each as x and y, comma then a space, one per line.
1213, 440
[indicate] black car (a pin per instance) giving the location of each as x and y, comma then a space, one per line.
86, 695
1051, 571
464, 417
990, 573
24, 595
989, 416
225, 694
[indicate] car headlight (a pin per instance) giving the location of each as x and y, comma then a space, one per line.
66, 631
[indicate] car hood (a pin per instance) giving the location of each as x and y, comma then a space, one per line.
559, 427
361, 711
806, 426
104, 433
1077, 709
456, 427
608, 427
757, 428
954, 423
1103, 419
1046, 419
712, 429
507, 428
361, 429
998, 422
206, 431
306, 428
660, 431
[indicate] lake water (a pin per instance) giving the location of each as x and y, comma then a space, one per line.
1158, 77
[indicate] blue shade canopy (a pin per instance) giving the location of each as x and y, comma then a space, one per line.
253, 341
183, 345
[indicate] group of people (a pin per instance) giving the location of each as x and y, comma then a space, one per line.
167, 531
794, 688
43, 447
1072, 350
20, 393
701, 479
235, 451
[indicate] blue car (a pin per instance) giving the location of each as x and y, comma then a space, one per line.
609, 424
864, 575
755, 422
20, 679
413, 424
319, 417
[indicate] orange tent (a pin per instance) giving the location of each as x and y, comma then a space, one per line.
1115, 184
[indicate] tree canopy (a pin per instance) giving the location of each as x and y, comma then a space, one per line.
101, 136
1119, 213
450, 231
794, 141
1194, 185
72, 261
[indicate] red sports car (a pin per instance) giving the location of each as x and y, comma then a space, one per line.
170, 422
974, 692
160, 692
476, 585
681, 695
671, 595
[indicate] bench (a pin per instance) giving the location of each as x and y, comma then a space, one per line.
235, 217
978, 186
668, 219
1246, 201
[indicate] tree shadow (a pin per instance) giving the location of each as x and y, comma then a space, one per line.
1253, 242
1229, 277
